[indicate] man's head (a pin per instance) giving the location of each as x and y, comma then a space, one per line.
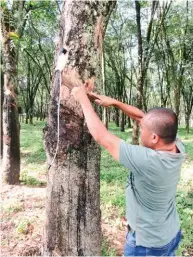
158, 127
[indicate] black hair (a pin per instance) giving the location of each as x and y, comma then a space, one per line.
164, 123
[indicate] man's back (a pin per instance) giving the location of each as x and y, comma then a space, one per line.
150, 193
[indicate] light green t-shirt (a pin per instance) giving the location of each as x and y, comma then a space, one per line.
150, 192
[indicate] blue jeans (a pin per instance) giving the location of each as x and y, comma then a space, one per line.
131, 249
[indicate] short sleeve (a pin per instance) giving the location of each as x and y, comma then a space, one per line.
180, 145
134, 157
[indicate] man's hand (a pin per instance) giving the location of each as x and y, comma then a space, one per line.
79, 93
95, 125
102, 99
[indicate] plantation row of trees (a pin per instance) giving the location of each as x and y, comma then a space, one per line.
147, 56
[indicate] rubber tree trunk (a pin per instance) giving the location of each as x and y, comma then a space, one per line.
140, 80
129, 123
122, 128
31, 119
177, 96
2, 96
105, 114
11, 129
105, 117
26, 118
117, 113
187, 122
73, 192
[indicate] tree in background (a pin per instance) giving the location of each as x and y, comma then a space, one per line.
14, 18
157, 57
118, 64
36, 61
15, 23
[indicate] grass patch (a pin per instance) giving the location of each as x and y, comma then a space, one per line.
185, 210
33, 155
31, 142
29, 180
107, 250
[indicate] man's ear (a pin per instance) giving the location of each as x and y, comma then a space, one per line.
155, 138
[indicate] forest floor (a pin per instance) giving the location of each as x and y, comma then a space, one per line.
23, 206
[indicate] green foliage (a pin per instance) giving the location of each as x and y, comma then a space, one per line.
13, 35
185, 210
167, 54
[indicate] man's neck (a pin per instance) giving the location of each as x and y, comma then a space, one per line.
167, 147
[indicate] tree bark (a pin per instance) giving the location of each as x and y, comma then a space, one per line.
73, 195
2, 98
129, 122
105, 115
140, 79
11, 129
122, 122
31, 119
117, 117
187, 121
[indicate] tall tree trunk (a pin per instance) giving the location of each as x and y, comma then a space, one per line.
129, 122
105, 116
177, 99
31, 119
11, 129
187, 121
73, 195
117, 117
122, 122
2, 97
26, 118
135, 134
109, 114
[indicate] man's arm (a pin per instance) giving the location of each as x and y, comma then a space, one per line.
129, 110
95, 125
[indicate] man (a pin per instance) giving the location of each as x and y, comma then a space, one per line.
153, 221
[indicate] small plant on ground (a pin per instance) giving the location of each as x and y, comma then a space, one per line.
29, 180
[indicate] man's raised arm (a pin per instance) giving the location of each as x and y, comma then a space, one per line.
129, 110
96, 128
